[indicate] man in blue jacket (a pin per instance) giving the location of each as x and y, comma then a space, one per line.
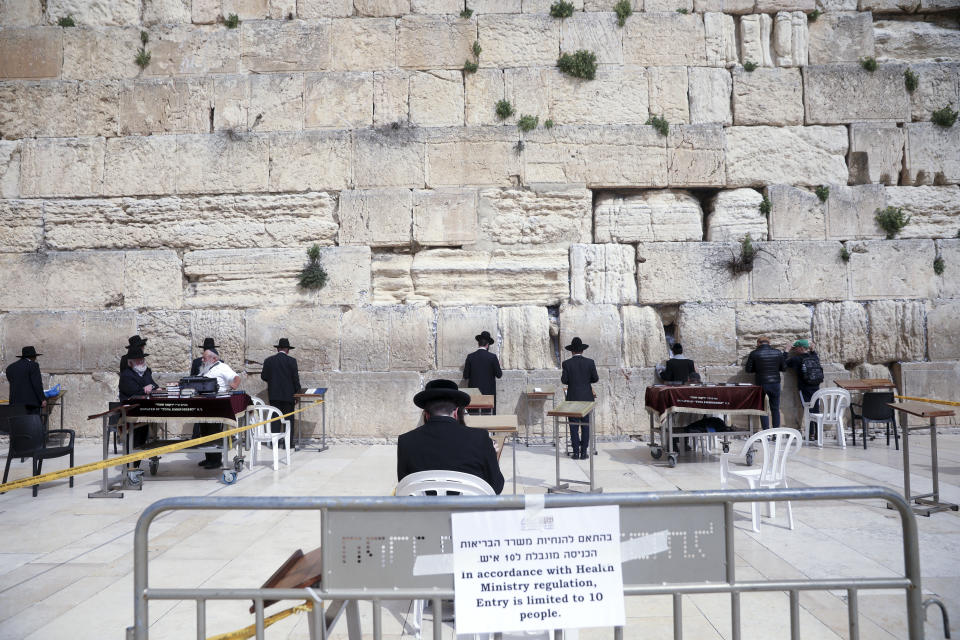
767, 363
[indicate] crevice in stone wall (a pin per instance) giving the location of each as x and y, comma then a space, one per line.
211, 119
553, 316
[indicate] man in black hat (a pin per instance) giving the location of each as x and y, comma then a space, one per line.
132, 341
26, 385
283, 379
482, 368
197, 364
578, 374
136, 380
443, 443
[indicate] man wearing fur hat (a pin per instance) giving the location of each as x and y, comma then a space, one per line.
482, 368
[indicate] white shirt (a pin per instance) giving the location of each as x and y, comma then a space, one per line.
223, 373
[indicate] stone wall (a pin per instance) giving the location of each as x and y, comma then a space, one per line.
177, 200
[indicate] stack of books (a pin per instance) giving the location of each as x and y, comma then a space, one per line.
188, 392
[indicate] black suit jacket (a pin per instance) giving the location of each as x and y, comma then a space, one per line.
26, 385
481, 370
282, 377
195, 367
132, 384
677, 370
578, 374
441, 443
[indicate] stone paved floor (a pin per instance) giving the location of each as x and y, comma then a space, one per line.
66, 561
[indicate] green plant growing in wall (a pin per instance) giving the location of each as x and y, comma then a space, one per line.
313, 276
683, 10
466, 13
518, 147
944, 117
765, 206
548, 123
143, 56
232, 21
582, 64
911, 80
504, 109
528, 123
939, 265
561, 9
823, 192
624, 10
844, 254
470, 66
476, 49
741, 260
660, 124
749, 66
813, 15
891, 220
66, 22
868, 63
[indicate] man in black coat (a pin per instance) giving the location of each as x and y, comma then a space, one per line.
578, 374
132, 341
136, 380
678, 368
482, 368
26, 384
443, 443
283, 379
767, 363
197, 364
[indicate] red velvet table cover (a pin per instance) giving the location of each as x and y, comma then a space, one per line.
199, 407
708, 398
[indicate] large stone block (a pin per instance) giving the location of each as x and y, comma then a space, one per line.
841, 37
435, 6
169, 105
384, 338
101, 54
346, 417
22, 224
782, 323
390, 278
526, 341
391, 97
541, 215
664, 39
840, 332
315, 334
389, 158
308, 9
897, 330
231, 103
62, 167
795, 214
790, 39
456, 328
169, 339
435, 42
310, 160
906, 267
189, 50
915, 40
482, 90
668, 93
943, 329
89, 394
69, 280
285, 45
276, 102
876, 153
598, 325
338, 100
358, 44
57, 336
382, 8
444, 217
38, 109
720, 35
223, 163
644, 341
152, 280
34, 52
376, 218
939, 85
141, 165
166, 12
603, 273
670, 272
930, 154
649, 216
228, 328
851, 211
517, 276
10, 154
261, 277
436, 99
95, 13
734, 214
799, 271
934, 211
623, 404
710, 91
518, 40
842, 93
707, 333
474, 156
596, 32
949, 286
768, 96
98, 108
755, 33
805, 155
20, 13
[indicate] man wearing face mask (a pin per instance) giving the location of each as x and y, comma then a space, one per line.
227, 380
136, 380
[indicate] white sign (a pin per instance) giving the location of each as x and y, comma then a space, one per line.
557, 570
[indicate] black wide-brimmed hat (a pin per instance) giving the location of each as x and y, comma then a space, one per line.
135, 353
441, 390
136, 341
484, 338
29, 352
577, 345
283, 344
208, 343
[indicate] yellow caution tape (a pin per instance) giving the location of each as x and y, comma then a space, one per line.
949, 403
142, 455
251, 631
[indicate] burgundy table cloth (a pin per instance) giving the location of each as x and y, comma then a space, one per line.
712, 398
197, 407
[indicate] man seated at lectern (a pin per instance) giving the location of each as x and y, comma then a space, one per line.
227, 380
443, 443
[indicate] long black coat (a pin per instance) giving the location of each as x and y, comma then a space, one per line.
481, 370
282, 377
26, 385
578, 374
132, 383
441, 443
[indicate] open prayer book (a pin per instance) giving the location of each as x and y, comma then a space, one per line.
315, 391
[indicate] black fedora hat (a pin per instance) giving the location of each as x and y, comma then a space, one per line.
441, 390
484, 338
135, 353
577, 345
29, 352
283, 344
208, 343
136, 341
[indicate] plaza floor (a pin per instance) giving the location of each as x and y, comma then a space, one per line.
66, 561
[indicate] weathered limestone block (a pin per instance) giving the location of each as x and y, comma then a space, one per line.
38, 109
33, 52
338, 100
393, 389
262, 277
598, 325
141, 165
926, 380
474, 156
669, 272
98, 108
799, 271
167, 12
518, 40
499, 6
456, 328
276, 102
790, 38
152, 280
436, 42
69, 280
598, 156
720, 37
851, 211
209, 11
57, 335
949, 286
585, 5
934, 211
668, 93
836, 94
382, 8
22, 224
707, 332
307, 9
841, 37
876, 153
391, 97
89, 394
542, 215
103, 53
896, 330
517, 276
653, 6
930, 155
10, 169
231, 103
649, 216
939, 85
20, 13
376, 218
709, 91
389, 158
906, 267
724, 6
695, 156
228, 328
390, 278
943, 329
223, 163
363, 44
755, 32
644, 342
795, 214
768, 96
385, 338
436, 99
258, 9
526, 338
188, 50
840, 332
444, 217
805, 155
180, 105
915, 41
315, 334
482, 90
314, 160
664, 39
97, 13
169, 339
285, 45
771, 6
782, 323
620, 402
62, 167
603, 273
734, 214
888, 6
596, 32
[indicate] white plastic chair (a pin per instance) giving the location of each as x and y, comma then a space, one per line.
262, 434
833, 405
257, 401
805, 419
777, 445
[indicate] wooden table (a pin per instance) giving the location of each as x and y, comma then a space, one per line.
865, 384
531, 394
481, 403
566, 410
319, 395
500, 428
924, 504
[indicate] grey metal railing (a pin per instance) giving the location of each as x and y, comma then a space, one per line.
386, 515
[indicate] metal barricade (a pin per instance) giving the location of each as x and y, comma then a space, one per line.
394, 532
